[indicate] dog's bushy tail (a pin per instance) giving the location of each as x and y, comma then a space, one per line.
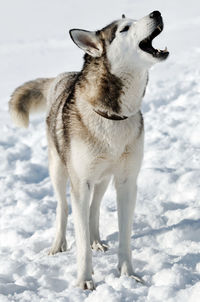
28, 98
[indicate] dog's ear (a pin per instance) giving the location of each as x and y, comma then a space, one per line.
87, 41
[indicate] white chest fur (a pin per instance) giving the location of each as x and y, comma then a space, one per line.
134, 85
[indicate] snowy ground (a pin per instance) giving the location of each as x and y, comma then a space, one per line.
166, 231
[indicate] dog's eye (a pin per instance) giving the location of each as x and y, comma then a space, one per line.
126, 28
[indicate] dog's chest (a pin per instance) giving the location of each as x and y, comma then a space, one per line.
110, 145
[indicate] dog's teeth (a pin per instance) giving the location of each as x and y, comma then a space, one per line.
166, 50
159, 28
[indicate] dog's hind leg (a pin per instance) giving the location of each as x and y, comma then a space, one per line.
99, 191
58, 176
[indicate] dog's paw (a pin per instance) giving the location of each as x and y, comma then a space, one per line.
137, 278
99, 246
86, 285
126, 270
58, 247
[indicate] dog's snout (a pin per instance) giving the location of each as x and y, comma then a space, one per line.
155, 14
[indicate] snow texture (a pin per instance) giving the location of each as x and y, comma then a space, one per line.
34, 42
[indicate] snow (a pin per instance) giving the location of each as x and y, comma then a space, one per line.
166, 250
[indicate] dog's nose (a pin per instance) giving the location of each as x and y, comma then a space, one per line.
155, 14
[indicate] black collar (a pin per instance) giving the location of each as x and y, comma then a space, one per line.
111, 117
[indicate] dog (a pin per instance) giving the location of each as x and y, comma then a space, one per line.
95, 131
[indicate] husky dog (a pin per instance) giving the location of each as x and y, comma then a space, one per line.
95, 131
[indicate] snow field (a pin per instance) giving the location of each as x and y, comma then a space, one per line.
166, 229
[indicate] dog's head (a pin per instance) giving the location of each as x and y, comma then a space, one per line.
126, 43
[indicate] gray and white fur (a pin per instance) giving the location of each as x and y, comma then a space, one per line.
95, 132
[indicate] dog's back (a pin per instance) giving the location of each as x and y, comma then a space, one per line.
38, 95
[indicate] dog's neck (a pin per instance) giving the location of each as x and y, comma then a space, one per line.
120, 93
134, 88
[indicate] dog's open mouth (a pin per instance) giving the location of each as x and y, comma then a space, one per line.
146, 44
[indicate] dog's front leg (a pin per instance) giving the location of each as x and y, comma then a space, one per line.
80, 206
99, 190
126, 198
